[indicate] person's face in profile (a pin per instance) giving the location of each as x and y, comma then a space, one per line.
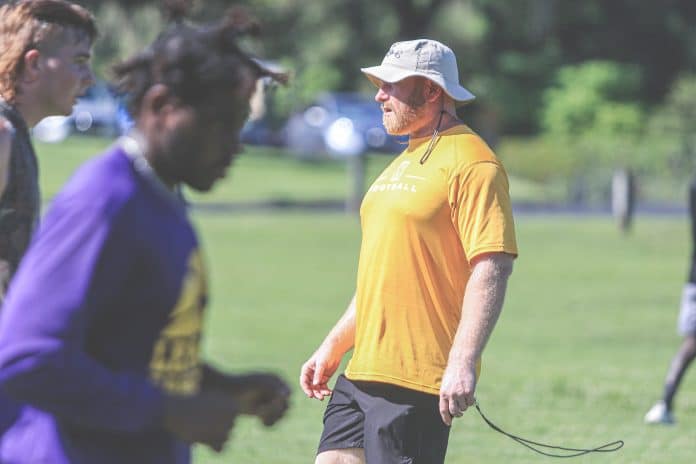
65, 72
203, 138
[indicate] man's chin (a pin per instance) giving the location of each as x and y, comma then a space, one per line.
202, 185
388, 128
394, 131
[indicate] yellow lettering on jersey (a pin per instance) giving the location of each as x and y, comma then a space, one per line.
175, 362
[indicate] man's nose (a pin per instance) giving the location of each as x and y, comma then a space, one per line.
381, 95
89, 79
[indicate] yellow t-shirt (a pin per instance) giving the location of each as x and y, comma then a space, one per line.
422, 225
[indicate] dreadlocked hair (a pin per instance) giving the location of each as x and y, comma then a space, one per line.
194, 62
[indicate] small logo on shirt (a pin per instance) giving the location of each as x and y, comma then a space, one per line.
396, 180
399, 171
393, 186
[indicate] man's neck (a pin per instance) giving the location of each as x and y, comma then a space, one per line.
442, 120
136, 146
30, 113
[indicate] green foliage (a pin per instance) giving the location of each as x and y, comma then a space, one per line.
591, 117
122, 33
674, 124
536, 159
508, 51
305, 85
593, 97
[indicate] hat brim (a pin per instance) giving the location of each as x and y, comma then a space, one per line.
391, 74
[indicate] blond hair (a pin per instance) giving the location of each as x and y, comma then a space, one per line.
37, 24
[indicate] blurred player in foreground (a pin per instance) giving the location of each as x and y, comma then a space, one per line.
101, 329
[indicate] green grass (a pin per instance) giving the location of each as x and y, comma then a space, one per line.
577, 358
259, 174
58, 161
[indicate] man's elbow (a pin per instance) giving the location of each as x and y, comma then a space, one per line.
23, 371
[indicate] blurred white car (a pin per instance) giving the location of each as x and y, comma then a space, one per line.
52, 129
339, 125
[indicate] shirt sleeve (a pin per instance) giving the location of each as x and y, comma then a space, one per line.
44, 323
481, 210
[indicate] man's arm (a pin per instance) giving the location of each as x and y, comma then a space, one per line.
483, 301
317, 371
6, 133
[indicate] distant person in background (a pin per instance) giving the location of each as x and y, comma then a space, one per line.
438, 243
45, 50
661, 412
101, 329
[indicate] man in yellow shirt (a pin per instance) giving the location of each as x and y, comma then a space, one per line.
437, 249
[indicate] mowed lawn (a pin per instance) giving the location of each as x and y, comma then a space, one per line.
577, 358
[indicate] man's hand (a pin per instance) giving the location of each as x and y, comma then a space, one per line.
317, 371
457, 390
265, 396
205, 418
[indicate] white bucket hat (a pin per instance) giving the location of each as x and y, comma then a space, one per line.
423, 57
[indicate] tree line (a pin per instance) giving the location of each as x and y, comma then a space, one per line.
510, 53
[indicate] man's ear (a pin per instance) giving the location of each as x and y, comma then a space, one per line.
432, 91
31, 70
156, 99
155, 107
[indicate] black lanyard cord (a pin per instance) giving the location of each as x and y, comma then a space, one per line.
608, 448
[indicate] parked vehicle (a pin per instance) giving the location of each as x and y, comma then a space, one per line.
52, 129
339, 125
260, 132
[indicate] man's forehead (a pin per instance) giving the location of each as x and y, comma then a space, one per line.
67, 39
405, 83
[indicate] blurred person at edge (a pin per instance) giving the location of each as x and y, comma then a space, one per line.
438, 243
100, 333
662, 411
44, 66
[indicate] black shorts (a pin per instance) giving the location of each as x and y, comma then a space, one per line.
394, 425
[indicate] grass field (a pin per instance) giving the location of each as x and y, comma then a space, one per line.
259, 174
577, 358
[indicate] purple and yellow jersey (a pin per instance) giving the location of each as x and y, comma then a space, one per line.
103, 316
